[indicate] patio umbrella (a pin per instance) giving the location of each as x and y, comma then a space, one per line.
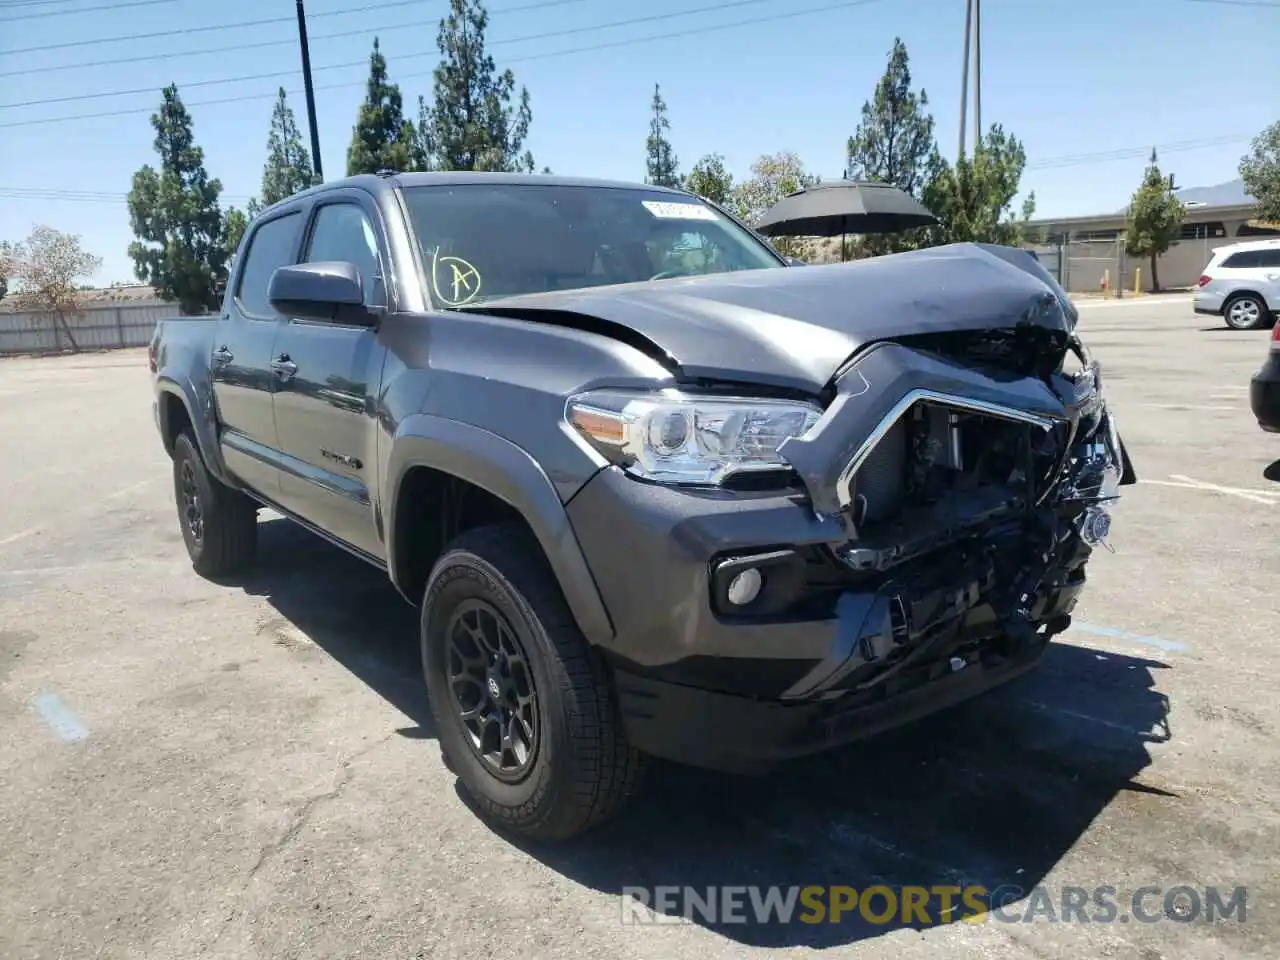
840, 207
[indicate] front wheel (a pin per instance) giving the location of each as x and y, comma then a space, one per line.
524, 707
219, 524
1246, 312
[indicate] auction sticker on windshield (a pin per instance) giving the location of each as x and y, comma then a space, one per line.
679, 211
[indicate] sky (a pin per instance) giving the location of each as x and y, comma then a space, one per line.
1088, 86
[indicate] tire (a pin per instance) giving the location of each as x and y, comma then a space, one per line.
1247, 311
576, 769
222, 536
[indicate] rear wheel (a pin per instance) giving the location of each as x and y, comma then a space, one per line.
219, 524
524, 707
1246, 311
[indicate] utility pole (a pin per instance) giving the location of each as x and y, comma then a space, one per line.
972, 36
964, 77
977, 74
311, 94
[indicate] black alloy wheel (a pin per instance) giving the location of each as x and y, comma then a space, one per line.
219, 525
523, 706
192, 512
492, 689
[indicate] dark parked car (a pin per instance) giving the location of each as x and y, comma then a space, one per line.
1264, 388
656, 491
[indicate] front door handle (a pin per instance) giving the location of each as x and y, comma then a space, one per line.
284, 367
223, 355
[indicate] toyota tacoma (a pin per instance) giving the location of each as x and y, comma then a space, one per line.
657, 490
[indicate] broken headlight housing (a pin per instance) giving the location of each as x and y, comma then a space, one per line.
682, 438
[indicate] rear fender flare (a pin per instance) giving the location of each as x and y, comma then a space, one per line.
505, 470
199, 407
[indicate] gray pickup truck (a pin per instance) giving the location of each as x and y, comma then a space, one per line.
656, 490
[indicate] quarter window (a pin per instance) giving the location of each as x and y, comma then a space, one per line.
1247, 258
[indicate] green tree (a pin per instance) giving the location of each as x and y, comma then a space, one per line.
423, 153
773, 176
974, 199
894, 143
1155, 218
476, 122
1260, 170
234, 225
288, 168
661, 165
180, 248
711, 179
382, 138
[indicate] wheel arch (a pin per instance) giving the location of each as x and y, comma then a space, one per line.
483, 460
1251, 294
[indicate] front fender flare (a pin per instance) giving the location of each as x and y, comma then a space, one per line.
505, 470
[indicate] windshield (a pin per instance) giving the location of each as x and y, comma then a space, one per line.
482, 241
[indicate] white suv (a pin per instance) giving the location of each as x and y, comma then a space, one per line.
1241, 284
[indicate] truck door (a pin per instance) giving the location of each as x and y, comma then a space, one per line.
327, 378
241, 361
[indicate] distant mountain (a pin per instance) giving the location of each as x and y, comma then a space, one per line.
1226, 194
1229, 194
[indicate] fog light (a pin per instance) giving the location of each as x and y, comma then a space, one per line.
745, 587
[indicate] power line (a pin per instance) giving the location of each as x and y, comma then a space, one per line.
1269, 4
67, 13
213, 28
82, 196
221, 49
13, 4
1070, 160
399, 57
631, 41
1130, 153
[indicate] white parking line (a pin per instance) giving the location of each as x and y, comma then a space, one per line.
123, 492
1188, 406
1131, 301
1265, 497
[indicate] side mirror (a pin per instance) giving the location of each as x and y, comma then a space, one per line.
326, 290
796, 262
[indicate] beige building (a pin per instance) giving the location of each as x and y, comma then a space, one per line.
1091, 248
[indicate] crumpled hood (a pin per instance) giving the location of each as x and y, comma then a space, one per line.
795, 327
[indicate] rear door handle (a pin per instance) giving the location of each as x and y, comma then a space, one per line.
284, 367
223, 355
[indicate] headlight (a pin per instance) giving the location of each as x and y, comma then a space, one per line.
680, 438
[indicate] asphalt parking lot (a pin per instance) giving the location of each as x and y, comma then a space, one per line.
249, 771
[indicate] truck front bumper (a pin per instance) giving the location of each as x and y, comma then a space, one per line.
738, 734
848, 634
807, 670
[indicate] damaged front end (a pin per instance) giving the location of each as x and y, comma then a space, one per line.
974, 474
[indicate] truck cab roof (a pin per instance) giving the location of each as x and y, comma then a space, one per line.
378, 182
